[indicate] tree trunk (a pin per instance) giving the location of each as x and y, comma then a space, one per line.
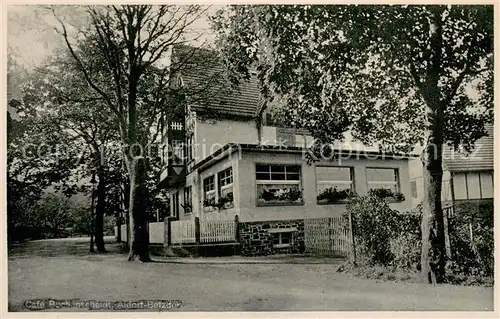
126, 202
139, 237
433, 256
118, 228
99, 213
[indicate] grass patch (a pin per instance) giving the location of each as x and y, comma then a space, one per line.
395, 274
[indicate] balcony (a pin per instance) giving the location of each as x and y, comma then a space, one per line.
272, 135
174, 171
173, 175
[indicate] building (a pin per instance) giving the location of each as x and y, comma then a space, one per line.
238, 165
467, 177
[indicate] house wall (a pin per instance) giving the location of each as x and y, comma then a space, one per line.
223, 214
247, 187
466, 185
416, 170
192, 180
473, 185
210, 136
256, 240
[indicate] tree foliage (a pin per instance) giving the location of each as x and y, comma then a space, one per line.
396, 76
365, 66
124, 56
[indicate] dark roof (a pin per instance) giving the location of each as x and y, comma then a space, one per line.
207, 85
230, 148
480, 159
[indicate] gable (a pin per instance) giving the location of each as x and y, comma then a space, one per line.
207, 87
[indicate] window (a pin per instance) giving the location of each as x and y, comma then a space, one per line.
473, 185
190, 147
384, 183
165, 154
282, 239
383, 178
486, 184
175, 204
334, 184
278, 184
178, 151
460, 185
209, 192
226, 189
188, 200
414, 191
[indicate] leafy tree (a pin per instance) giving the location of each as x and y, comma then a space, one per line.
30, 170
121, 55
392, 75
63, 103
54, 214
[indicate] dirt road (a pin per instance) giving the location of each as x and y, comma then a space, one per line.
223, 287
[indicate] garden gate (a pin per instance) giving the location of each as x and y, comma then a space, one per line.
329, 236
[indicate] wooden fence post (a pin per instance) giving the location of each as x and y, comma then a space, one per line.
471, 233
167, 236
446, 220
353, 243
197, 234
197, 230
237, 228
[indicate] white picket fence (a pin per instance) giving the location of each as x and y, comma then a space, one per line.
217, 231
212, 231
156, 233
123, 232
328, 236
183, 231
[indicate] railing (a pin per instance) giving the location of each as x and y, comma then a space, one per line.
449, 211
183, 231
217, 231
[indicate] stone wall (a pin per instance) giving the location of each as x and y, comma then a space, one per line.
256, 240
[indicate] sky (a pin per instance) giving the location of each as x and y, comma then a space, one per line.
32, 38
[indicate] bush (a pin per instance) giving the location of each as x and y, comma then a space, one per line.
372, 220
384, 236
392, 240
472, 256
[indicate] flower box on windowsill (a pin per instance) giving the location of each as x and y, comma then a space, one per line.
188, 209
228, 205
208, 209
225, 202
329, 202
331, 196
280, 197
391, 200
278, 202
388, 195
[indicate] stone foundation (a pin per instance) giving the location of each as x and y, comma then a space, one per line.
257, 240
